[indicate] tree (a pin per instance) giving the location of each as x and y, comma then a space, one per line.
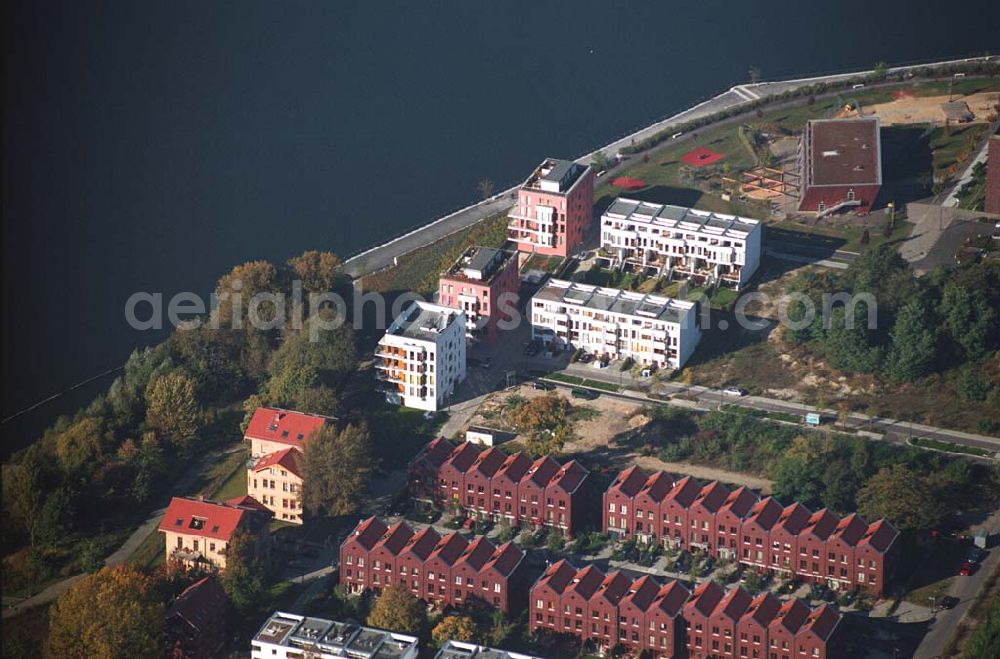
599, 161
301, 362
397, 609
851, 348
79, 446
317, 400
111, 614
458, 628
337, 466
969, 320
881, 69
244, 578
22, 497
319, 272
555, 541
913, 343
172, 409
903, 496
485, 187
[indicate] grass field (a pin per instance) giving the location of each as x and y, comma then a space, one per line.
847, 238
927, 442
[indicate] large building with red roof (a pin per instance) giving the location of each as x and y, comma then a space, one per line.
196, 621
759, 533
441, 570
197, 532
665, 620
555, 205
272, 429
840, 165
492, 485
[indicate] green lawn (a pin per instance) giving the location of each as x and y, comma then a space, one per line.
544, 263
952, 151
847, 238
927, 442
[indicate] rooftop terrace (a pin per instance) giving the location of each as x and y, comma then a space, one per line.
615, 300
330, 638
423, 321
555, 175
479, 264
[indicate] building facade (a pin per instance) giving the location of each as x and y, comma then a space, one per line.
672, 242
488, 484
291, 636
441, 570
759, 533
555, 205
452, 649
272, 429
613, 323
197, 532
840, 163
421, 359
992, 202
483, 283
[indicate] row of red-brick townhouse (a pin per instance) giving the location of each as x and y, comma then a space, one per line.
665, 620
761, 533
734, 623
441, 570
489, 484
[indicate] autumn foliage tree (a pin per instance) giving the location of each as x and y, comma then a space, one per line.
245, 576
908, 499
112, 614
546, 419
319, 272
172, 409
397, 609
337, 466
459, 628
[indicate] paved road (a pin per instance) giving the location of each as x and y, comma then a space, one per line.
382, 256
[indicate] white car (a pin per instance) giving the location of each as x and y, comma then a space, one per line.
734, 391
600, 363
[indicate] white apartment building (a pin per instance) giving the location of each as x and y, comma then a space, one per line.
290, 636
682, 242
421, 359
618, 324
461, 650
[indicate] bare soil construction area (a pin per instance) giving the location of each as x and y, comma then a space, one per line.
930, 109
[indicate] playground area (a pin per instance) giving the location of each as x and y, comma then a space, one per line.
906, 108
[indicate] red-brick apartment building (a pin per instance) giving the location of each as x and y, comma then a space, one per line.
841, 165
475, 283
441, 570
554, 208
489, 484
666, 620
736, 624
819, 546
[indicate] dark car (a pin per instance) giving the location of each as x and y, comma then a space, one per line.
585, 394
542, 386
487, 363
586, 358
531, 349
949, 602
975, 554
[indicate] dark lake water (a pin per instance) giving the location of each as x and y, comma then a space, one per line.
151, 146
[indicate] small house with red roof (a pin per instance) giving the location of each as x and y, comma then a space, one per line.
604, 614
724, 622
196, 621
422, 472
632, 612
752, 629
384, 555
784, 537
875, 555
814, 562
560, 494
452, 473
675, 510
410, 563
275, 480
820, 635
698, 614
504, 486
532, 490
756, 549
478, 479
355, 569
665, 623
785, 627
197, 532
647, 503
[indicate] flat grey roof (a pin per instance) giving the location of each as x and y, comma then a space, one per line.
422, 321
688, 219
615, 300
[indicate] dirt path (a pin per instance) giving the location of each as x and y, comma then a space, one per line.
705, 473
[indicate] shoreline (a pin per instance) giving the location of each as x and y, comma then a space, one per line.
381, 256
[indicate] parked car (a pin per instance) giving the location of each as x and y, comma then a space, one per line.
430, 415
734, 391
531, 349
585, 394
949, 602
975, 554
487, 362
586, 358
600, 363
542, 386
968, 567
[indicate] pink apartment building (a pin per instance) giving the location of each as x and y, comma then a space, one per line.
475, 284
554, 208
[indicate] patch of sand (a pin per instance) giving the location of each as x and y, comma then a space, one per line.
705, 473
927, 109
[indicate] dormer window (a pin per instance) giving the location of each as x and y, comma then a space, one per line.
197, 523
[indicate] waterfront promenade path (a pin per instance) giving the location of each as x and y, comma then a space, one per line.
384, 255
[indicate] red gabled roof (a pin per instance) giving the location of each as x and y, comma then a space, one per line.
587, 581
851, 529
630, 481
506, 558
515, 467
542, 470
764, 608
569, 477
791, 615
450, 548
436, 452
671, 598
247, 501
766, 513
822, 621
202, 605
558, 576
489, 461
613, 587
642, 593
734, 604
396, 538
205, 519
289, 459
880, 535
368, 532
277, 425
422, 543
822, 524
740, 501
478, 553
793, 518
463, 456
685, 491
658, 486
706, 597
712, 496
